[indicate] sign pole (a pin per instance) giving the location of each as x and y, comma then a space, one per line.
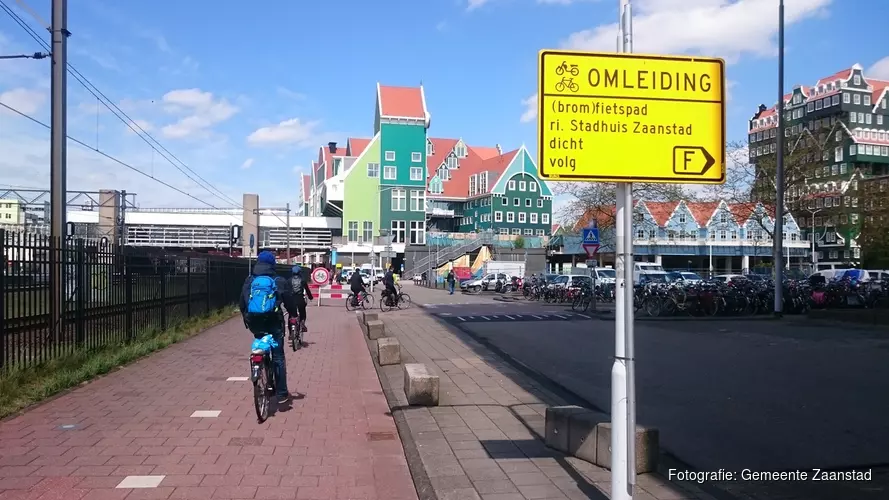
623, 418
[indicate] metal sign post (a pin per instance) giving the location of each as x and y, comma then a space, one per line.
592, 109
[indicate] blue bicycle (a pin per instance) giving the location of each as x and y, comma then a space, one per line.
262, 374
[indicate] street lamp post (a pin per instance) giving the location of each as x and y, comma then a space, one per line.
779, 170
812, 213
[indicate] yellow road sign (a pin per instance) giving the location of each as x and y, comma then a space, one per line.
630, 118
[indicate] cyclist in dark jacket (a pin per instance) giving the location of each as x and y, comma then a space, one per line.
300, 288
356, 283
273, 323
389, 282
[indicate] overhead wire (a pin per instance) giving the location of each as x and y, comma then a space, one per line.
100, 96
110, 157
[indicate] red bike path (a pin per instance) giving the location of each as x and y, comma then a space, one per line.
133, 434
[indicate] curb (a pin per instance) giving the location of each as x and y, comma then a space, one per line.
422, 483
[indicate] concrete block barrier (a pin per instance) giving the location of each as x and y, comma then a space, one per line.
388, 351
421, 387
375, 329
586, 434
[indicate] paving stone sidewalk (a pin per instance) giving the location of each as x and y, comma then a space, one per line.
181, 424
484, 440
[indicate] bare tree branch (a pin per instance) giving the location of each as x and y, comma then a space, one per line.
597, 200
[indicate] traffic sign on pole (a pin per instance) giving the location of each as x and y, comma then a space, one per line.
631, 118
590, 241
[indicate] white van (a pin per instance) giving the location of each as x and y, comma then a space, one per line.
655, 271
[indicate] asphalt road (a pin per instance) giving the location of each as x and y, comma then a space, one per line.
725, 394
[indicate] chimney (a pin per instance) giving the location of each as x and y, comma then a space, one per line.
762, 107
499, 149
332, 147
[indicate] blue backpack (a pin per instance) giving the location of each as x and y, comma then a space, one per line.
263, 296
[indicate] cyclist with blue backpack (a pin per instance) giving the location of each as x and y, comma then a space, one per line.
262, 296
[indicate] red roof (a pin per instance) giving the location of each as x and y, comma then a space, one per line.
356, 146
842, 75
702, 211
441, 148
307, 186
458, 185
661, 210
404, 102
486, 153
879, 86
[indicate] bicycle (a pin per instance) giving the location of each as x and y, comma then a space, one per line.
365, 301
568, 83
562, 68
402, 301
262, 375
296, 333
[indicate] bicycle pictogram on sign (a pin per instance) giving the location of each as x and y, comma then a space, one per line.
567, 83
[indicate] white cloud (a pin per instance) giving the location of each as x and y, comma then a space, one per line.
247, 163
879, 70
28, 101
140, 126
296, 96
715, 28
530, 105
202, 110
718, 28
288, 132
474, 4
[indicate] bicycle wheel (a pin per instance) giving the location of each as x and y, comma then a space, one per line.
367, 302
384, 306
560, 70
560, 87
404, 301
577, 303
261, 394
574, 87
295, 334
349, 306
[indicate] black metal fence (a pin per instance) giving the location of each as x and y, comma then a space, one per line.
108, 295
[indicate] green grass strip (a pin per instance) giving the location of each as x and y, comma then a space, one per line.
23, 388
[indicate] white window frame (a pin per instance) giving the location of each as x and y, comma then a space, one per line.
367, 231
498, 216
417, 235
523, 217
533, 218
399, 200
539, 202
390, 169
847, 98
522, 185
510, 185
418, 171
398, 230
418, 200
416, 157
373, 170
510, 217
532, 186
350, 229
527, 202
390, 156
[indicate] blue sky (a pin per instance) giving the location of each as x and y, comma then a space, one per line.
245, 95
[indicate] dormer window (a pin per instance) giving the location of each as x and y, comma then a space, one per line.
443, 173
430, 148
682, 218
460, 150
857, 79
452, 161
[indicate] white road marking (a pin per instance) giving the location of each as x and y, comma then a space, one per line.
140, 482
237, 379
206, 414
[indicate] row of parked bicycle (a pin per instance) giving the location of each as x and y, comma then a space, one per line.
732, 298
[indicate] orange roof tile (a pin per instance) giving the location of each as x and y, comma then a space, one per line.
485, 152
661, 210
405, 102
356, 146
441, 148
702, 211
458, 186
307, 186
879, 86
603, 215
843, 75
